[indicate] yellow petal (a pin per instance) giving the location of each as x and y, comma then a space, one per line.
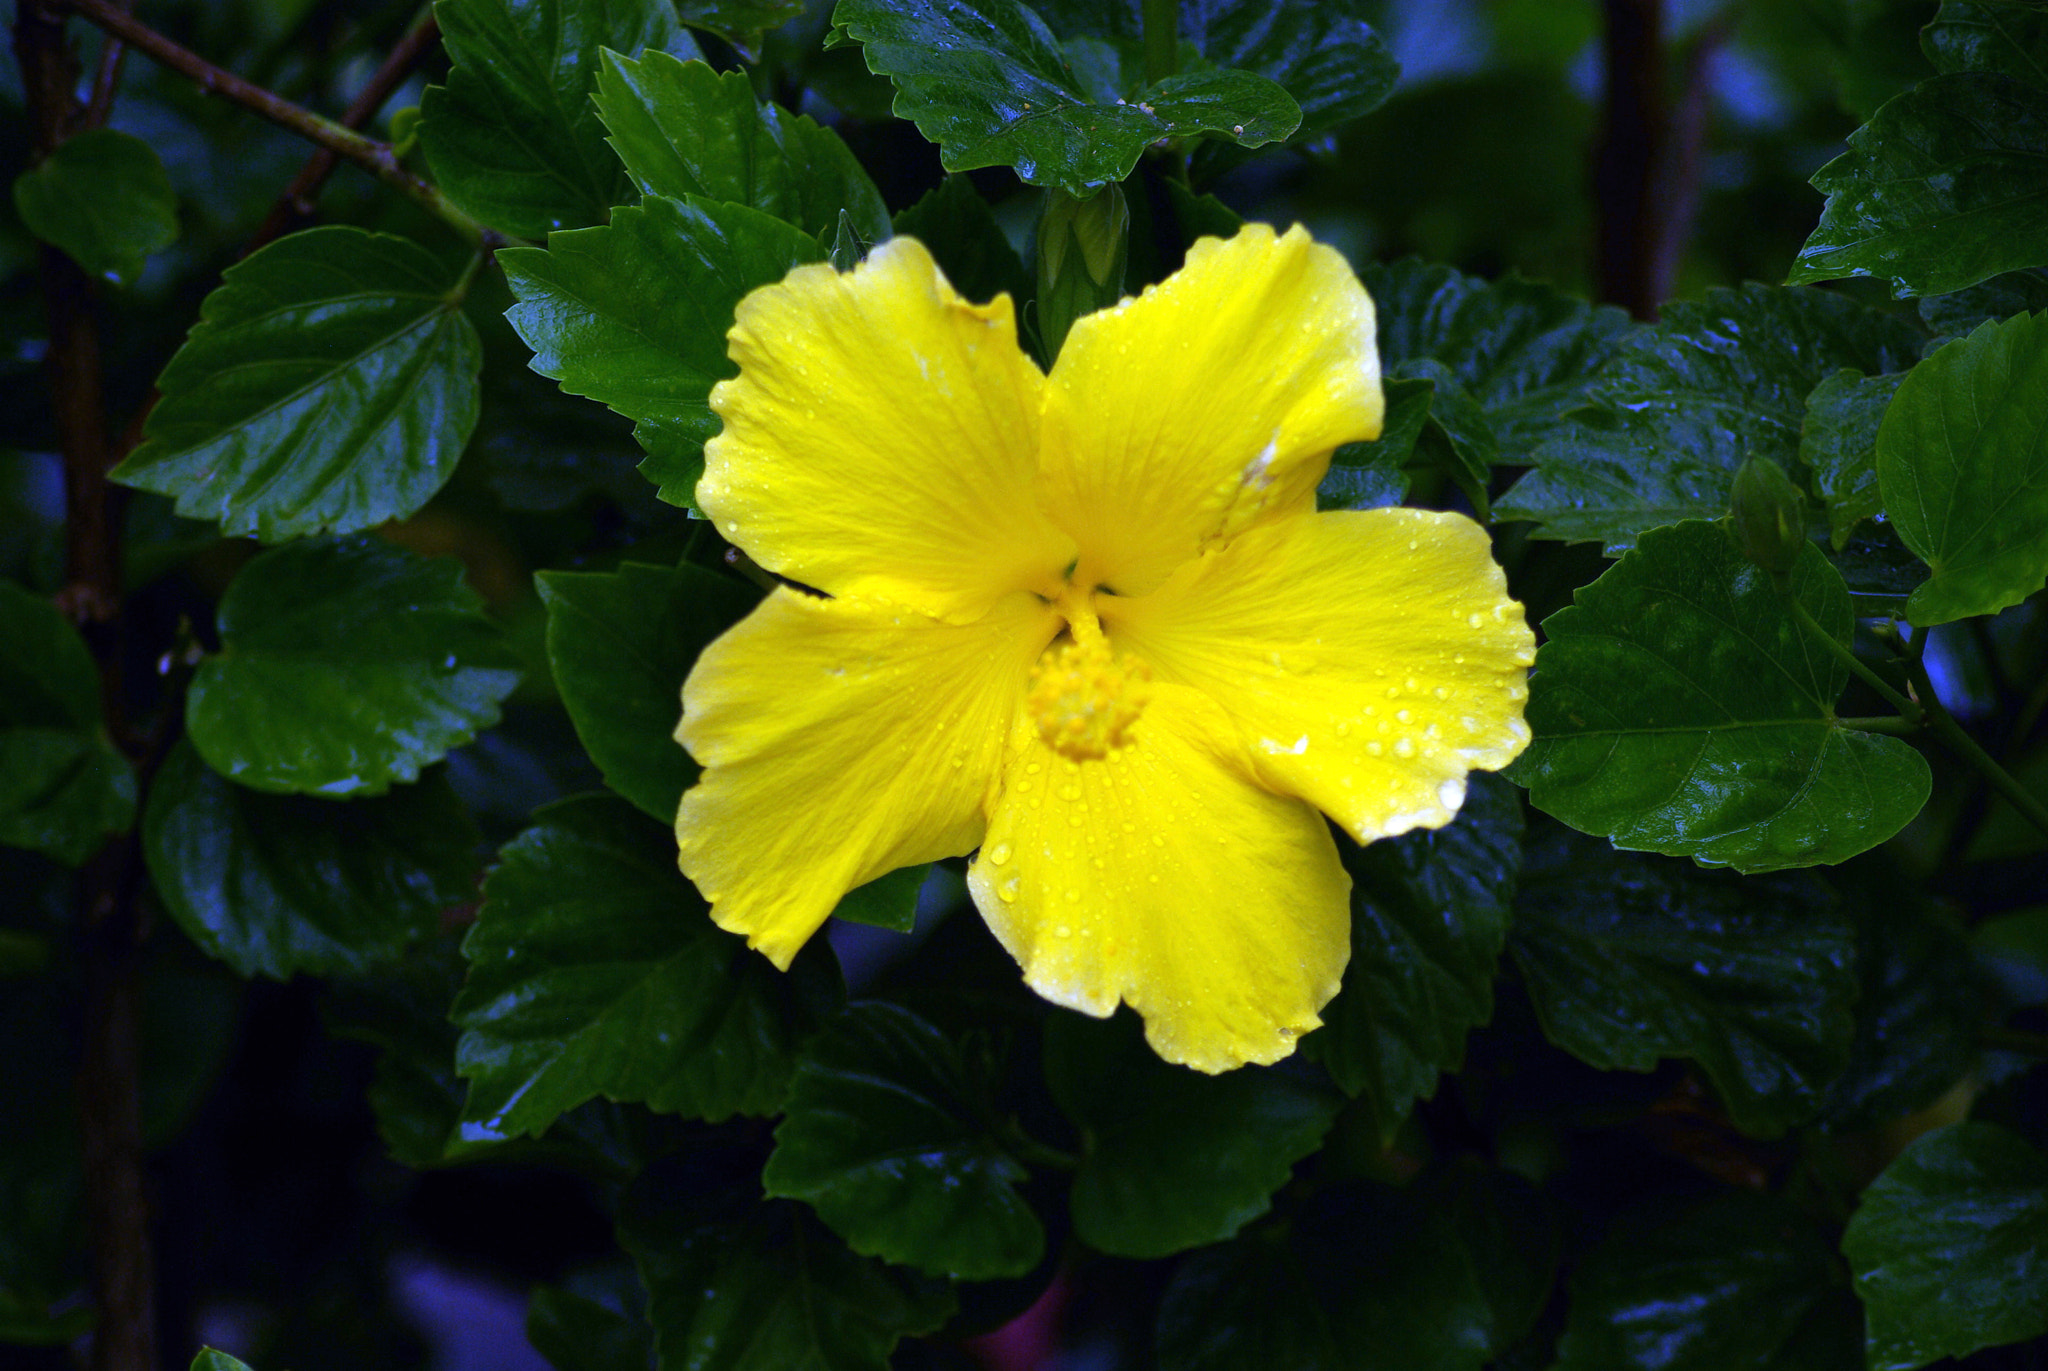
1164, 876
881, 439
841, 739
1208, 403
1371, 659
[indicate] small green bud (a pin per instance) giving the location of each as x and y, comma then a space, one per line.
1769, 516
1082, 245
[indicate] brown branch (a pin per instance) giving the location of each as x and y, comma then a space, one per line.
295, 208
109, 1083
1632, 136
372, 156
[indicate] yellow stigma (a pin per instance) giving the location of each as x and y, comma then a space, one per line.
1084, 700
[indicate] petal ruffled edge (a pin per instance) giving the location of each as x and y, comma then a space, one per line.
882, 438
1208, 404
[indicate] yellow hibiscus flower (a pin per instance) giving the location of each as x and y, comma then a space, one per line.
1091, 624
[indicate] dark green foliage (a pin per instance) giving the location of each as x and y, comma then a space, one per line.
344, 951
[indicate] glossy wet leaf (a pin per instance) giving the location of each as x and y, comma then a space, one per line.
1512, 1236
103, 197
634, 315
1429, 916
513, 138
992, 85
1366, 1276
63, 786
1629, 960
595, 969
319, 687
1678, 707
1683, 403
1170, 1158
1522, 351
739, 22
736, 1284
329, 385
880, 1135
1742, 1280
1942, 188
1950, 1247
1326, 56
1964, 470
1839, 446
683, 129
1959, 312
276, 885
967, 242
620, 643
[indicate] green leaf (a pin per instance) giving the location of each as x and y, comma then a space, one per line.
104, 199
1950, 1247
888, 901
1369, 1276
961, 231
1373, 474
345, 666
329, 385
1959, 312
1325, 55
63, 785
634, 315
1741, 1280
1511, 1236
879, 1134
1629, 960
213, 1359
621, 643
683, 129
738, 1285
990, 84
1839, 445
1429, 916
1918, 1012
1942, 188
274, 885
1685, 402
595, 969
513, 138
738, 22
1678, 707
1172, 1159
576, 1333
2003, 38
1964, 472
1523, 351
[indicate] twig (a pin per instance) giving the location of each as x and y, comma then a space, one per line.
297, 205
1632, 136
105, 81
372, 156
109, 1080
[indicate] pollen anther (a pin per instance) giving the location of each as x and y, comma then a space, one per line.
1084, 699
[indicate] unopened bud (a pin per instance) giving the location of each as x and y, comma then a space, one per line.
1769, 520
1082, 245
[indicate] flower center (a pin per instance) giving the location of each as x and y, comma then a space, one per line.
1084, 699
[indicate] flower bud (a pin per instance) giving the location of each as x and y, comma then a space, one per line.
1769, 520
1082, 245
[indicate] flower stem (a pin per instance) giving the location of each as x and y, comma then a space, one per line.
1909, 710
1162, 39
1883, 723
1958, 739
1926, 711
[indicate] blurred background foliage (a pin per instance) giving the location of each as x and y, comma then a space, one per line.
306, 1216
